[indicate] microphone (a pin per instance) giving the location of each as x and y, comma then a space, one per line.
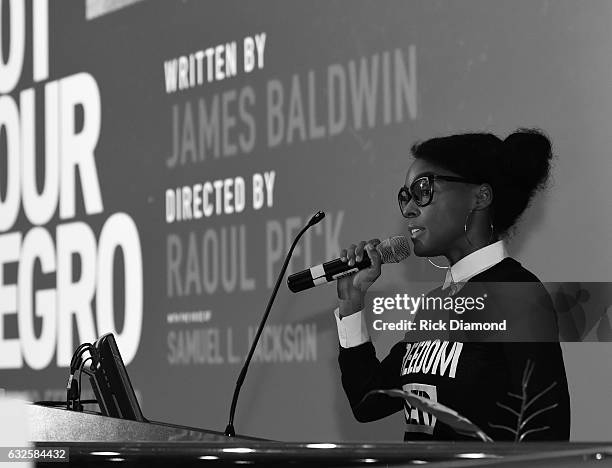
229, 429
392, 250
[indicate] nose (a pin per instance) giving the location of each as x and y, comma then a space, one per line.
411, 210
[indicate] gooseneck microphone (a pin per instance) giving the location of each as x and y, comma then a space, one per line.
229, 430
392, 250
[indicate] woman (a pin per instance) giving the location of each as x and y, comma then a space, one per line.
462, 196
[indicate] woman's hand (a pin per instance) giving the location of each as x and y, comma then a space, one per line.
352, 288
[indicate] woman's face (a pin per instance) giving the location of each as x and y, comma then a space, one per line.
441, 222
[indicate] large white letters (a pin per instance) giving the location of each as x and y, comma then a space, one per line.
83, 266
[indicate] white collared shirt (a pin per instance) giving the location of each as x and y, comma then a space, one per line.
476, 262
353, 330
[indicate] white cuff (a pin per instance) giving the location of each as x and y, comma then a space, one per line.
352, 329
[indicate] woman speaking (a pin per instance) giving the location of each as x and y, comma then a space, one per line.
462, 197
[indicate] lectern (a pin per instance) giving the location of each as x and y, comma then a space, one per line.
60, 425
95, 441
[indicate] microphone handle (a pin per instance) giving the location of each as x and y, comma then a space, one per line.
325, 273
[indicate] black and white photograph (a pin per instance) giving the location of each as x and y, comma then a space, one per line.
306, 233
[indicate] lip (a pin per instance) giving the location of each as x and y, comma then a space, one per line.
415, 231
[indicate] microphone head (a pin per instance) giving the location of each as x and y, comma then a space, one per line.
318, 216
394, 249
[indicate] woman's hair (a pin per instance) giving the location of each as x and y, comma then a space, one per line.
516, 168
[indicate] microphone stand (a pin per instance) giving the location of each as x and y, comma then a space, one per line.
229, 430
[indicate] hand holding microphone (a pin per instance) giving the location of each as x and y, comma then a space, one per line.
352, 288
354, 255
363, 259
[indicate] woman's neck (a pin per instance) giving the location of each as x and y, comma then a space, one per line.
457, 254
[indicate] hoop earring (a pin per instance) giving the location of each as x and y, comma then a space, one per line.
449, 270
465, 229
438, 266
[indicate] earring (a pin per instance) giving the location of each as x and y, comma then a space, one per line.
465, 228
437, 266
453, 284
492, 236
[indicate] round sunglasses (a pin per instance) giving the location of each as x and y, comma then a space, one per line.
422, 189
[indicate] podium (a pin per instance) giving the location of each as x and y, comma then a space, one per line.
92, 440
49, 424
